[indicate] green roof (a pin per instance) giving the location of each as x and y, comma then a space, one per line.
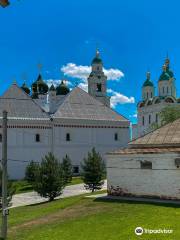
148, 83
164, 76
39, 86
25, 88
62, 89
96, 60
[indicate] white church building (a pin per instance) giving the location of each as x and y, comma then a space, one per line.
151, 105
61, 121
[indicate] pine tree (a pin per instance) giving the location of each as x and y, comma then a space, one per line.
31, 170
67, 169
49, 181
93, 171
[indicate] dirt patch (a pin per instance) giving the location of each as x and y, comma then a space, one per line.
83, 209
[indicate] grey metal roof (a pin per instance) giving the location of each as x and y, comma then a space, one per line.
19, 105
78, 104
167, 135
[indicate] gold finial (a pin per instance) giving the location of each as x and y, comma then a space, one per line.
148, 75
164, 67
167, 61
40, 66
97, 50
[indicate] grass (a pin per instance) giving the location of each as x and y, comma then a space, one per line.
23, 186
80, 218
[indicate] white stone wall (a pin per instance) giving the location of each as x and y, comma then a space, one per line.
150, 110
125, 175
22, 147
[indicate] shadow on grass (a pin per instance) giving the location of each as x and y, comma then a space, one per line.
134, 201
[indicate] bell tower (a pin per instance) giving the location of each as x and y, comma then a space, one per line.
97, 81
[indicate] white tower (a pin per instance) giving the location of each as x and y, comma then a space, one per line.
97, 81
148, 88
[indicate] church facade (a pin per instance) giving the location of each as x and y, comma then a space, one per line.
55, 119
151, 105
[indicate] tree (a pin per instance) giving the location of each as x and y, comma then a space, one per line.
67, 169
31, 171
11, 189
49, 180
93, 171
169, 114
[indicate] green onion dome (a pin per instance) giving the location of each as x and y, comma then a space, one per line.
62, 89
39, 86
25, 88
97, 59
52, 88
164, 75
148, 82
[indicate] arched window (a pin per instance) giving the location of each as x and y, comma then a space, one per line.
163, 89
68, 137
167, 89
147, 95
151, 94
99, 87
37, 138
0, 137
116, 136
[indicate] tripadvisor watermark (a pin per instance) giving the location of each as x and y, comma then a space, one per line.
139, 231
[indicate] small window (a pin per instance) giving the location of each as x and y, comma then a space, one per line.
167, 89
147, 95
99, 87
149, 119
143, 120
116, 136
151, 94
75, 169
68, 137
97, 68
37, 137
0, 137
146, 165
163, 89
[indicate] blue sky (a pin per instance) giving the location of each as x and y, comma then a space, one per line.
132, 36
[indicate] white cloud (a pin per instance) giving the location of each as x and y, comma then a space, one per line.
118, 98
82, 72
56, 82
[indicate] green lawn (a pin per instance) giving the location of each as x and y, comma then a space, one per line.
80, 218
23, 186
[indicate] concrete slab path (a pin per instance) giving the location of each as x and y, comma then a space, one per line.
30, 198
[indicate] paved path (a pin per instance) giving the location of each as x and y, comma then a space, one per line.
29, 198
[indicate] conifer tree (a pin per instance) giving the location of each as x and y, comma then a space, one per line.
93, 171
67, 169
31, 170
49, 181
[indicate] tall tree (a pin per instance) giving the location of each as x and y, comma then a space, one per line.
49, 181
169, 114
93, 171
67, 169
31, 170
